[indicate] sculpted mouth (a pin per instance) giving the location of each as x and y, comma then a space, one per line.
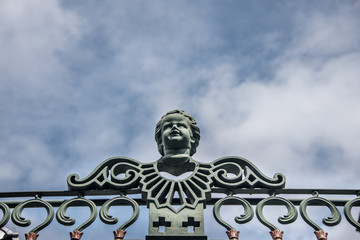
175, 133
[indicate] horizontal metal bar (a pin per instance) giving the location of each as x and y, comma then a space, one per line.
68, 193
270, 191
252, 201
354, 192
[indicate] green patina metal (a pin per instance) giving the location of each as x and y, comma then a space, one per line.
6, 214
108, 219
231, 200
290, 217
20, 221
176, 207
333, 220
177, 135
62, 218
347, 210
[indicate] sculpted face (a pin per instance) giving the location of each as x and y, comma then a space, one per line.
177, 136
176, 132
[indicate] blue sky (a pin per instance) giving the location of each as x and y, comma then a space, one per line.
276, 82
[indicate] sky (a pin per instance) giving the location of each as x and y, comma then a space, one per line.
276, 82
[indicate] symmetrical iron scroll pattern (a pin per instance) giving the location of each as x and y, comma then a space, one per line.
290, 217
227, 172
121, 201
63, 219
162, 191
229, 175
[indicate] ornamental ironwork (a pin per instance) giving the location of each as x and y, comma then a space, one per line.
177, 205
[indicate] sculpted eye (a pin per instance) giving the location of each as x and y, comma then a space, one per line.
166, 126
182, 125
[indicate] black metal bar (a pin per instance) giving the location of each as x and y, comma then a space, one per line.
354, 192
68, 193
252, 201
288, 191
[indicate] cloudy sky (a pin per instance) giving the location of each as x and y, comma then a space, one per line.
276, 82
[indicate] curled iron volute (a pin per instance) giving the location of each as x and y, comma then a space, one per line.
231, 200
290, 217
106, 218
62, 218
347, 211
6, 214
37, 202
333, 220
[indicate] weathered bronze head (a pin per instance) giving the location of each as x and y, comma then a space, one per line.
185, 123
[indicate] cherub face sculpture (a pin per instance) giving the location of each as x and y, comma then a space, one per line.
177, 130
176, 133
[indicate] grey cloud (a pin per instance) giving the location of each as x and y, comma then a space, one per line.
82, 82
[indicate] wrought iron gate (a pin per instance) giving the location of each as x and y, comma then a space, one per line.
176, 207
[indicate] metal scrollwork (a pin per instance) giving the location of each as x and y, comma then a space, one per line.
245, 174
20, 221
162, 191
333, 220
99, 178
244, 218
108, 219
6, 214
62, 218
290, 217
347, 210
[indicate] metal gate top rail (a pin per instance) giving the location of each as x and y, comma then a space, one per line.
109, 192
175, 206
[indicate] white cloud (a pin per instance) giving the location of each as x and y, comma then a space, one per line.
328, 32
312, 101
81, 83
31, 34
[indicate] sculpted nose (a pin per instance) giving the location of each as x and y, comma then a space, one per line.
174, 127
